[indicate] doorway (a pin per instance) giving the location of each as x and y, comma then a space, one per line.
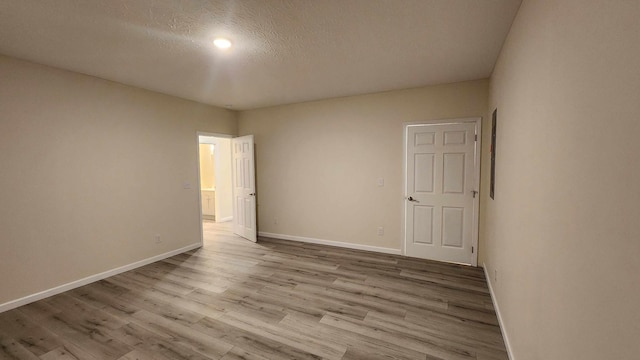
216, 192
441, 179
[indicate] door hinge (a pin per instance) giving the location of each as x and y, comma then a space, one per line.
476, 137
472, 249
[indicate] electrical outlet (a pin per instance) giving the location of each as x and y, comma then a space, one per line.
158, 239
495, 275
380, 182
380, 231
275, 221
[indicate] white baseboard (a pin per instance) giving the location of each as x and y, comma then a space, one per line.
93, 278
225, 219
332, 243
497, 308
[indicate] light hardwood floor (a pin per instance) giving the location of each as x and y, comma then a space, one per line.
233, 299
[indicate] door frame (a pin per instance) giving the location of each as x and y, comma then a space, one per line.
198, 182
476, 201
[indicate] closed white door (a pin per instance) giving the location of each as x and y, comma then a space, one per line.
441, 199
244, 188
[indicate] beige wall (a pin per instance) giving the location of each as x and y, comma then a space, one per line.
564, 232
91, 171
318, 162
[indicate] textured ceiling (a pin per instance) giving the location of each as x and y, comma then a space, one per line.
284, 51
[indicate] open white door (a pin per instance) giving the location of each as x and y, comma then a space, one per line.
442, 167
244, 188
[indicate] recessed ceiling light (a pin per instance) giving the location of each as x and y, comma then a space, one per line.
222, 43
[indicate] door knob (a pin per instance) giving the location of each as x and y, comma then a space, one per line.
252, 194
412, 199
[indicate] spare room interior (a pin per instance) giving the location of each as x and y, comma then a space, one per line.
335, 179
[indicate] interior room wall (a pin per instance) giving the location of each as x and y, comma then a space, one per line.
318, 162
91, 171
563, 231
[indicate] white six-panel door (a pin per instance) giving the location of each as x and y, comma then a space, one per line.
440, 199
244, 188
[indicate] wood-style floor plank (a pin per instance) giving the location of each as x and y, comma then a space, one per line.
12, 349
277, 299
28, 333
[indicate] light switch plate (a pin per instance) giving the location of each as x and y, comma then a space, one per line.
380, 181
186, 185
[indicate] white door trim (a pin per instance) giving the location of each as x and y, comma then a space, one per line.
476, 200
198, 182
